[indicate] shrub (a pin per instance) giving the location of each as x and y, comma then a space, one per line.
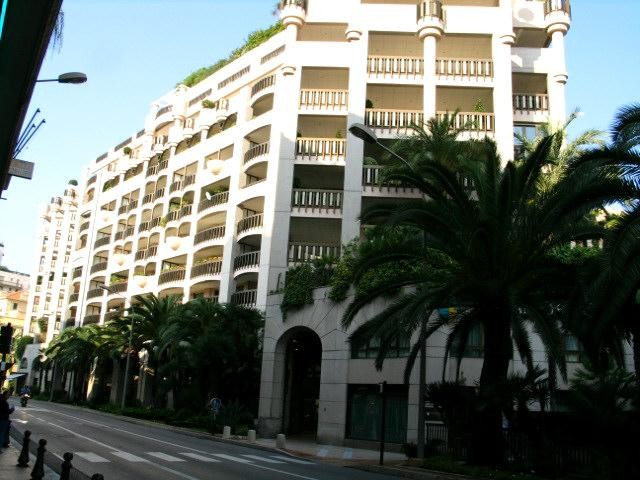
234, 415
302, 279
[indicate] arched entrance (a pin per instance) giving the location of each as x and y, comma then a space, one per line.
302, 381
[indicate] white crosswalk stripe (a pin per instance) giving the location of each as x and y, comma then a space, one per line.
262, 459
231, 457
291, 459
165, 457
129, 457
202, 458
91, 457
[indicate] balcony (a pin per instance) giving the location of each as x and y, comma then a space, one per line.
557, 6
69, 323
372, 186
245, 298
247, 260
155, 222
324, 151
119, 235
98, 267
123, 209
139, 255
84, 226
164, 110
151, 252
91, 319
530, 107
324, 100
215, 200
249, 223
381, 67
470, 121
180, 184
144, 226
173, 275
263, 84
74, 297
118, 287
206, 269
393, 121
77, 272
256, 151
323, 203
101, 242
215, 233
148, 198
158, 194
430, 9
454, 70
95, 293
155, 169
182, 212
303, 252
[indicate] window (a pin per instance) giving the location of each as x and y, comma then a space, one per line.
475, 343
364, 406
15, 306
573, 349
399, 349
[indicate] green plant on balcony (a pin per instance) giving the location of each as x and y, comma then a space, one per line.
108, 185
115, 280
163, 221
202, 261
301, 280
479, 107
217, 190
172, 267
73, 182
368, 103
127, 151
255, 39
209, 104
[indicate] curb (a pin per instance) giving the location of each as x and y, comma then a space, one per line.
413, 474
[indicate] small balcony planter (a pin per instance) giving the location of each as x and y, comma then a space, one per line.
119, 258
215, 166
140, 281
174, 242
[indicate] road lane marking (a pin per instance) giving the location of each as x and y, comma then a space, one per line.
202, 458
91, 457
165, 457
291, 459
323, 452
121, 430
262, 459
129, 457
231, 457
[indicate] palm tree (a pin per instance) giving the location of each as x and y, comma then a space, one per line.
219, 346
488, 250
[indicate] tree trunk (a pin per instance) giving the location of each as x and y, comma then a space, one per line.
635, 345
422, 390
487, 440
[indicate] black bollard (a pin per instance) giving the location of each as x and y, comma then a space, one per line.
6, 435
97, 476
38, 469
65, 469
23, 459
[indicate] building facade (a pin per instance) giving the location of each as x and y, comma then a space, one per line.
251, 171
54, 247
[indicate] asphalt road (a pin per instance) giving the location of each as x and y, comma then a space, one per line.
122, 450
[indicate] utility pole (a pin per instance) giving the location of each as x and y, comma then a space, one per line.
383, 418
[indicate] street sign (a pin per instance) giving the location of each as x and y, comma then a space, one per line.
21, 168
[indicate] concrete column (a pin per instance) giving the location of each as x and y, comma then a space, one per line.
430, 43
503, 94
557, 77
352, 189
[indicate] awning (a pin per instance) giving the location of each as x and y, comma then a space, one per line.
13, 376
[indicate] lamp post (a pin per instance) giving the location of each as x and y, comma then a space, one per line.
69, 77
125, 383
367, 135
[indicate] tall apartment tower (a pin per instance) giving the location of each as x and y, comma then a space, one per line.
219, 199
50, 280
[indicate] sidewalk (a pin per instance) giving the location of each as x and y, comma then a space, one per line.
9, 471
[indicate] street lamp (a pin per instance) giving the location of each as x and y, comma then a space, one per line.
69, 77
367, 135
125, 382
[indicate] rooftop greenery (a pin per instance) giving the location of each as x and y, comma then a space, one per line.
255, 39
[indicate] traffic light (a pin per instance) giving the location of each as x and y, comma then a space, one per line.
6, 334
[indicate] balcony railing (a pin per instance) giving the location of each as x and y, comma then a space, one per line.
174, 275
98, 267
531, 102
77, 272
140, 255
84, 226
154, 169
292, 3
209, 234
317, 199
158, 194
118, 287
151, 251
102, 241
123, 209
247, 223
245, 297
324, 99
430, 8
132, 205
185, 211
144, 226
91, 319
470, 121
328, 149
464, 67
247, 260
397, 66
148, 198
393, 119
154, 222
371, 178
303, 252
119, 235
216, 199
256, 151
266, 82
74, 297
210, 269
95, 293
164, 110
551, 6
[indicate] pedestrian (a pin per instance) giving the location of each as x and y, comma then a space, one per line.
5, 423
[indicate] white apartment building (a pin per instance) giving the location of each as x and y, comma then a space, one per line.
219, 202
52, 257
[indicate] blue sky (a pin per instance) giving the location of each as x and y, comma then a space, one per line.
134, 51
